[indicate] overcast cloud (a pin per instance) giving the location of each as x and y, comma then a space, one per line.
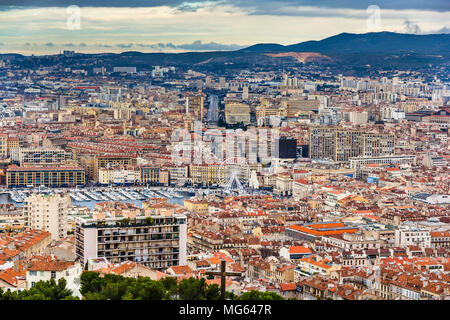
179, 26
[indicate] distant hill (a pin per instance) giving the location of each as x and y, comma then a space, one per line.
374, 42
344, 53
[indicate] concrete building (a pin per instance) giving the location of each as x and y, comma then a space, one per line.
340, 145
236, 112
156, 241
61, 176
47, 212
40, 156
407, 236
195, 105
357, 162
358, 118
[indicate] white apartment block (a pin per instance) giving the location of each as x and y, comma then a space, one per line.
118, 175
156, 241
357, 162
47, 212
412, 237
39, 156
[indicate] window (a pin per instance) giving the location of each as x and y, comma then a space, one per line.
33, 273
53, 274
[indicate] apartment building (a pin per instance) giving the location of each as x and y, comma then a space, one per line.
341, 145
205, 174
195, 105
237, 112
150, 174
377, 144
119, 175
105, 161
406, 236
357, 162
61, 176
39, 156
47, 212
155, 241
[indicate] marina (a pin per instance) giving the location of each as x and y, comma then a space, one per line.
90, 196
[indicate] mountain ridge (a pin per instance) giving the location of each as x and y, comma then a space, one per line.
372, 42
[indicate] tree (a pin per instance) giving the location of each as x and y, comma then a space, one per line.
258, 295
212, 292
192, 289
91, 282
170, 286
42, 290
231, 296
149, 220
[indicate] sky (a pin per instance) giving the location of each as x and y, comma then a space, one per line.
94, 26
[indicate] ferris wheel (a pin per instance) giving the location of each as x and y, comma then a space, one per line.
234, 175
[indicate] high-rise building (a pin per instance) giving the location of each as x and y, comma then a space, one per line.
321, 143
213, 110
157, 240
195, 105
236, 112
377, 144
47, 212
245, 93
3, 145
340, 145
287, 148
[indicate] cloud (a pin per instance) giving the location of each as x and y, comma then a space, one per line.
124, 46
273, 6
177, 26
210, 46
442, 30
93, 3
414, 28
268, 6
411, 27
197, 45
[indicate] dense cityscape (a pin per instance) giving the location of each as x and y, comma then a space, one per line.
290, 178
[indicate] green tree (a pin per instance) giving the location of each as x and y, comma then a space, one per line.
91, 282
170, 286
213, 292
42, 290
258, 295
192, 289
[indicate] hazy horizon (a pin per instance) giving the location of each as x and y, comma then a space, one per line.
173, 26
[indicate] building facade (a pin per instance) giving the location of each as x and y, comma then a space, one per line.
47, 212
155, 241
